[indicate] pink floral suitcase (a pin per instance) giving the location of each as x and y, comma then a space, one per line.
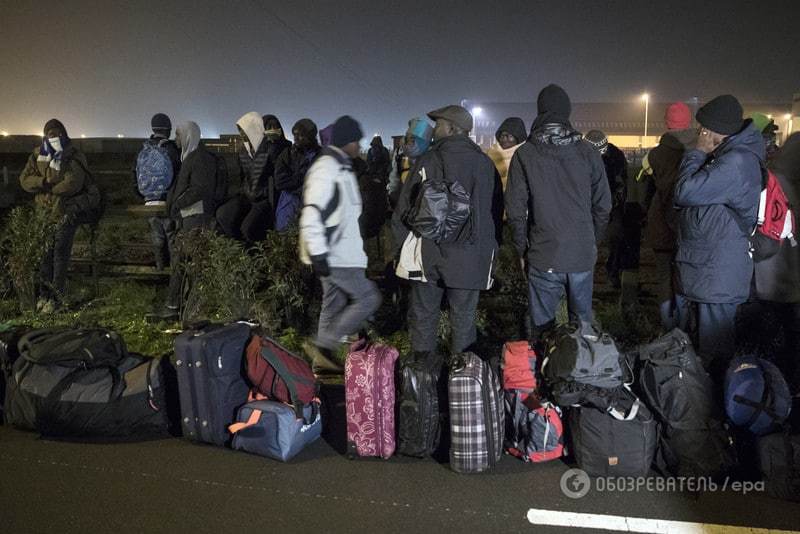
369, 391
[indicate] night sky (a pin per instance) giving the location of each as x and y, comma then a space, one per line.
105, 67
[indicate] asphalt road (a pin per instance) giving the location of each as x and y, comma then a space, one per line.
177, 486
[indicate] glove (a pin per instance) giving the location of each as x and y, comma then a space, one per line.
320, 265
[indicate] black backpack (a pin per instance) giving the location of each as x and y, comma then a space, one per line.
673, 383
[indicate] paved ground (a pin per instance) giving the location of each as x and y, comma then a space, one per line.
176, 486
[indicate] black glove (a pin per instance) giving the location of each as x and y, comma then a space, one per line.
320, 265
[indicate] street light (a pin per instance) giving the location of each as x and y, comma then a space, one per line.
646, 98
4, 133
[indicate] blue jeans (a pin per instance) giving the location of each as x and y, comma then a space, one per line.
545, 289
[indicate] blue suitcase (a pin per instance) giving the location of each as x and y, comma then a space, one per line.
211, 380
276, 430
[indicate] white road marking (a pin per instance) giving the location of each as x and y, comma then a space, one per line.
638, 524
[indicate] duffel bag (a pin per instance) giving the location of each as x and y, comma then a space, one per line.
580, 352
88, 347
779, 463
9, 353
126, 401
608, 446
274, 429
757, 397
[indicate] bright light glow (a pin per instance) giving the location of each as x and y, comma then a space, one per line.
645, 97
4, 133
120, 136
83, 136
769, 116
787, 117
476, 111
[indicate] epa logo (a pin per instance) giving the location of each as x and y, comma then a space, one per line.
575, 483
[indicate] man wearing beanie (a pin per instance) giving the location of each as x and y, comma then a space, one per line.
157, 166
558, 204
617, 173
717, 195
459, 268
330, 241
662, 219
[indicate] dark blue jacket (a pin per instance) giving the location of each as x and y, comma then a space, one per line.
717, 195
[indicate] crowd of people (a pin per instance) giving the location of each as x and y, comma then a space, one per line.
561, 194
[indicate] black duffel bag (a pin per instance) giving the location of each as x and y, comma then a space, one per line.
91, 391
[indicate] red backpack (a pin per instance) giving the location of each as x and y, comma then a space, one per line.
775, 219
279, 375
519, 366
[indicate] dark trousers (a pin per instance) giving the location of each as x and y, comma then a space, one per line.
161, 230
348, 299
545, 289
712, 328
424, 311
56, 261
257, 220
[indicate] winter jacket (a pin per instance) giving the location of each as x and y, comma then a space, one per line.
331, 208
192, 193
557, 200
379, 160
291, 168
665, 161
502, 158
50, 185
469, 263
256, 173
718, 196
777, 279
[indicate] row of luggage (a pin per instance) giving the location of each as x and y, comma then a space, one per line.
618, 414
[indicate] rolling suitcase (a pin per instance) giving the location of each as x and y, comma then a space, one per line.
211, 380
477, 414
420, 420
370, 392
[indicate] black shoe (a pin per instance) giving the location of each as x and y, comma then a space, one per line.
322, 363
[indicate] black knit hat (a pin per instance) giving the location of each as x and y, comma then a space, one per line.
722, 115
160, 121
515, 126
55, 123
346, 130
554, 101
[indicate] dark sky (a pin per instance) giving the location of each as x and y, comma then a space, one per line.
105, 67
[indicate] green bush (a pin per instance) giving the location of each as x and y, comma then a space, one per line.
28, 235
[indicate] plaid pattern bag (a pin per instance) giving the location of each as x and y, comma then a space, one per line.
477, 417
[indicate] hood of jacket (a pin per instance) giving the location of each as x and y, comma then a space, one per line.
252, 124
513, 125
556, 134
189, 134
748, 139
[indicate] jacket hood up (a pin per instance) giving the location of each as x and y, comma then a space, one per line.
252, 124
189, 133
515, 126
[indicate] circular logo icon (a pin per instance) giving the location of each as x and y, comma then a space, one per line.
575, 483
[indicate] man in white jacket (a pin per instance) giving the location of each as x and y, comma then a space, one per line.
330, 241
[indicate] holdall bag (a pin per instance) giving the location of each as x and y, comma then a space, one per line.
73, 346
534, 431
757, 397
519, 366
676, 388
420, 421
370, 396
274, 430
606, 446
9, 353
579, 352
278, 374
477, 414
211, 380
779, 464
126, 401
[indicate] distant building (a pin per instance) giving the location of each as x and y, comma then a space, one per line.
623, 122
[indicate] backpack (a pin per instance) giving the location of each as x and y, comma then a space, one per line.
676, 388
154, 172
775, 219
579, 352
534, 431
757, 397
83, 347
519, 366
442, 210
279, 375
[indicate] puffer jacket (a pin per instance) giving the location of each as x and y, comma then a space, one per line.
717, 195
557, 200
665, 161
467, 263
256, 173
49, 185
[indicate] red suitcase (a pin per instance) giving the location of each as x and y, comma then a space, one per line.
369, 392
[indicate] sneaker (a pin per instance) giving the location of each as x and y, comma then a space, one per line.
322, 363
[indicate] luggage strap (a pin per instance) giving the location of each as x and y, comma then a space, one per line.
762, 406
619, 416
